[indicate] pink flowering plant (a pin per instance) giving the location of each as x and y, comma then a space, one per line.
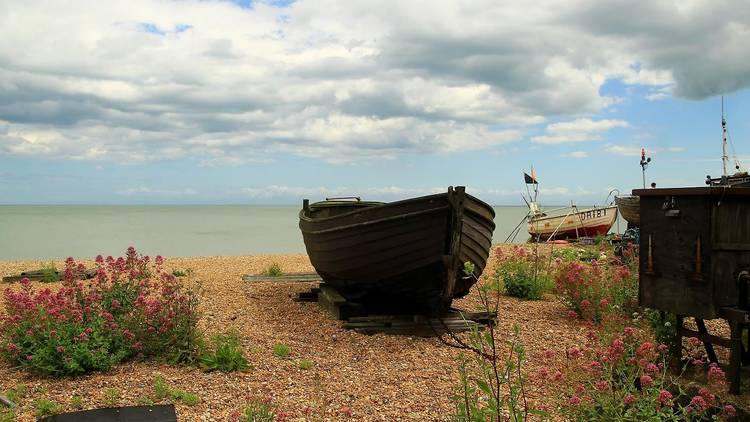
628, 379
592, 290
130, 309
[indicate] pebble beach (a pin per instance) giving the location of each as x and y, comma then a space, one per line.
354, 377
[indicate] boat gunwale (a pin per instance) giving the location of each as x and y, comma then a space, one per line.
548, 217
304, 217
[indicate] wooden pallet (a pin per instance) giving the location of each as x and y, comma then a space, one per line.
291, 278
419, 325
356, 318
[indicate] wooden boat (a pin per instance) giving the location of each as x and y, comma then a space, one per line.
629, 208
573, 224
401, 255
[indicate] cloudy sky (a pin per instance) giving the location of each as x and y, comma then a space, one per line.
186, 101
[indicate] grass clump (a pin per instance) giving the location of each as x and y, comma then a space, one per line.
144, 401
182, 273
259, 410
76, 402
185, 397
44, 407
7, 415
226, 355
281, 350
111, 396
16, 393
306, 364
163, 391
49, 273
274, 270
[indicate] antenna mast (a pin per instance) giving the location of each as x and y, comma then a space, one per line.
724, 157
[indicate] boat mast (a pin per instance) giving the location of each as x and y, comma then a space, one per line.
724, 157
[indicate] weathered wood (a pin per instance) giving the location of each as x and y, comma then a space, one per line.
39, 275
6, 401
393, 253
288, 278
156, 413
337, 305
707, 344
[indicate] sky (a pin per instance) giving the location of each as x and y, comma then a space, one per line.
269, 102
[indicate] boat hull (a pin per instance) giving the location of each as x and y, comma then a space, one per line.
630, 208
586, 223
406, 254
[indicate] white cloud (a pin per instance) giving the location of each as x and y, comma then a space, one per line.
579, 130
341, 81
630, 150
143, 190
576, 154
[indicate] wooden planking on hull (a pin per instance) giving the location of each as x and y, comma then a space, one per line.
401, 246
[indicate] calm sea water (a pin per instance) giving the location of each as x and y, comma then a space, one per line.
57, 231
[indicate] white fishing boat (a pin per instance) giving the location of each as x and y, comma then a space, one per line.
567, 222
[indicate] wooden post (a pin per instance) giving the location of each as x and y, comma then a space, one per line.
456, 199
306, 205
735, 357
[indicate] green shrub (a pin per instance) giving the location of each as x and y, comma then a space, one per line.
523, 274
306, 364
226, 355
132, 309
274, 270
281, 350
46, 407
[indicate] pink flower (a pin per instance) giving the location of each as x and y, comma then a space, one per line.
715, 374
346, 411
549, 354
698, 403
646, 380
602, 385
729, 410
115, 304
595, 366
574, 353
585, 303
575, 400
694, 341
558, 376
665, 398
652, 368
629, 399
645, 348
629, 331
29, 358
603, 303
543, 373
60, 349
663, 348
572, 314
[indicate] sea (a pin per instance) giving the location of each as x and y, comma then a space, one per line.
47, 232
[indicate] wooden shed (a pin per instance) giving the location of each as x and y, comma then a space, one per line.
694, 243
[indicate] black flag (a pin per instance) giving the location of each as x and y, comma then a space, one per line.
529, 179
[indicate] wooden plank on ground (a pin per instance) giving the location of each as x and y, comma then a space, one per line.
291, 277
